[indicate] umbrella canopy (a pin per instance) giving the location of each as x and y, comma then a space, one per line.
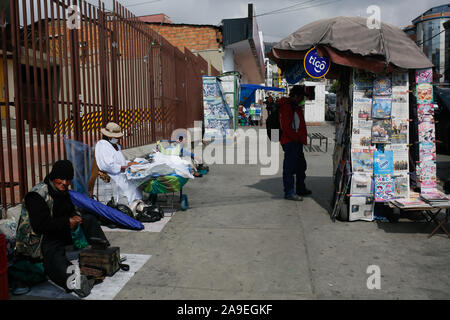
247, 95
348, 41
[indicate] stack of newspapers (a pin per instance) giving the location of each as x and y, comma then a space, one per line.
411, 203
436, 199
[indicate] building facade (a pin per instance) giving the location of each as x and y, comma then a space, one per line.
429, 33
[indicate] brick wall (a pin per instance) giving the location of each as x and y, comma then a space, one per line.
195, 38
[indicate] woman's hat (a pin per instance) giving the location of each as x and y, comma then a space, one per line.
112, 130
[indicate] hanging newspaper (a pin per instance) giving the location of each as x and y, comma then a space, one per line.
362, 133
400, 132
361, 208
400, 104
362, 160
400, 79
401, 186
362, 106
362, 183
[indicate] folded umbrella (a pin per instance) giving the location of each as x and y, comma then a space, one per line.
114, 215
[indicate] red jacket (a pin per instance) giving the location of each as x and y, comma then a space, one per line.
286, 116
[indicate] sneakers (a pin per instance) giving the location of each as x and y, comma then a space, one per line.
294, 197
86, 286
305, 192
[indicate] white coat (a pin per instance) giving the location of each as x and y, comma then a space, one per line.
110, 161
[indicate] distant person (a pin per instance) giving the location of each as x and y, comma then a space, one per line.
293, 138
271, 106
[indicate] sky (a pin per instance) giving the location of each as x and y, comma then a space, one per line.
279, 24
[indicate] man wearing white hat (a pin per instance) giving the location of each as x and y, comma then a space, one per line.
111, 160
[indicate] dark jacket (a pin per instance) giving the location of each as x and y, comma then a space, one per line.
286, 116
56, 227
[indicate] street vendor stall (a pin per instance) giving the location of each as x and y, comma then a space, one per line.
385, 143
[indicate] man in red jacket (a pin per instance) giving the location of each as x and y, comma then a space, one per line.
293, 137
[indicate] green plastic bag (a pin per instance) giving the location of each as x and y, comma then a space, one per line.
79, 239
27, 272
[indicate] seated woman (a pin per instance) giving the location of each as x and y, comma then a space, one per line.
111, 160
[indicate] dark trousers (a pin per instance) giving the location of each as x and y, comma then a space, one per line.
294, 163
54, 251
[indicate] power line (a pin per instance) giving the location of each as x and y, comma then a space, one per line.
279, 11
430, 38
141, 3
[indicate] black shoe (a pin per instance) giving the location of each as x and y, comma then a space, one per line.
86, 286
305, 192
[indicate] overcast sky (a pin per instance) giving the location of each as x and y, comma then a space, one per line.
278, 25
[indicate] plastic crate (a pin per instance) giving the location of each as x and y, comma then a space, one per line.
4, 288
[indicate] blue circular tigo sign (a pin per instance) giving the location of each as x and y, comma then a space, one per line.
316, 66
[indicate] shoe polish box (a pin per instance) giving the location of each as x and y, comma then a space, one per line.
107, 259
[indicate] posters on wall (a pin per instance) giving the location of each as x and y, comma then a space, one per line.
216, 112
361, 208
381, 107
426, 168
381, 131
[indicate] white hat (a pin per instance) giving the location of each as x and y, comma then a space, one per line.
112, 130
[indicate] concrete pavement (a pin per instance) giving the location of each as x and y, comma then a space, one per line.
241, 240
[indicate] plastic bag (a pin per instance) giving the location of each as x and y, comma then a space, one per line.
79, 239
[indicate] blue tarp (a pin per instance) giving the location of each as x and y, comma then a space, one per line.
247, 96
91, 205
81, 156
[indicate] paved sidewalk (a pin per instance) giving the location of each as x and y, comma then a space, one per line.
241, 240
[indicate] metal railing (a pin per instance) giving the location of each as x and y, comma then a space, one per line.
62, 82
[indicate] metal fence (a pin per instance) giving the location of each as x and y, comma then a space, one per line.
65, 73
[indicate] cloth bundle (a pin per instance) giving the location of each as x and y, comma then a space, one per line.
162, 165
